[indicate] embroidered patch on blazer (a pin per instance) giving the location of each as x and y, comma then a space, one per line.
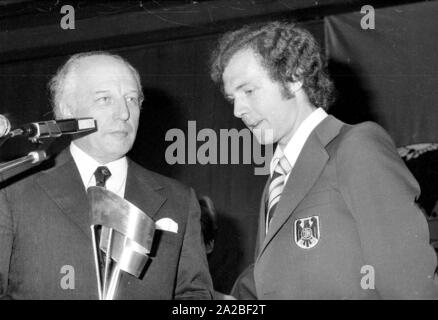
307, 232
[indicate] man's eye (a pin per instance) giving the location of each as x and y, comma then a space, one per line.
132, 99
104, 99
249, 91
229, 99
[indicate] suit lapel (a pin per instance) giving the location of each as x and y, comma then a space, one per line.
141, 190
303, 176
64, 186
262, 218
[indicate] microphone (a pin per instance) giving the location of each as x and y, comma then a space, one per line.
5, 126
21, 164
48, 129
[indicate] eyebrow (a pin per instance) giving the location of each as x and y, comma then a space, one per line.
101, 91
240, 86
106, 91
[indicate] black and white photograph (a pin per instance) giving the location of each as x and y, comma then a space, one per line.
219, 150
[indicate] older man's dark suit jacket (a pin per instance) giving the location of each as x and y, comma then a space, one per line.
45, 234
373, 241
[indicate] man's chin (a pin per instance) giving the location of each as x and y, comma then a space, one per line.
264, 136
115, 155
119, 148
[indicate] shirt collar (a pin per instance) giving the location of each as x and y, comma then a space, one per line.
87, 166
296, 143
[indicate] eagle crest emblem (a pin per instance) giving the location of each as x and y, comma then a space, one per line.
307, 232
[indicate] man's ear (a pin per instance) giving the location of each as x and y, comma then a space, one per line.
66, 110
295, 86
209, 246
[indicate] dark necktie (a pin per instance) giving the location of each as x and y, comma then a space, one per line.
102, 174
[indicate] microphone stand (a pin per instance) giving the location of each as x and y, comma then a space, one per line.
32, 158
39, 130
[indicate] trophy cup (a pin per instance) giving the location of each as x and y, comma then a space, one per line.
125, 240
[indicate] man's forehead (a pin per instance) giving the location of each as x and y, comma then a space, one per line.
242, 67
101, 68
96, 61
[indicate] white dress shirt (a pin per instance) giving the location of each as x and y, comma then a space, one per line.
87, 166
296, 143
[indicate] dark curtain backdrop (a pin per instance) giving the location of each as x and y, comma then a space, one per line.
389, 74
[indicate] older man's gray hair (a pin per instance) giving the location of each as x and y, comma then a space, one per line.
63, 83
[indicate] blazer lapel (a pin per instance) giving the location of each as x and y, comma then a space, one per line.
64, 186
303, 176
141, 190
262, 219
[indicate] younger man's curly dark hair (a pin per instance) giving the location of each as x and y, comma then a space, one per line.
287, 52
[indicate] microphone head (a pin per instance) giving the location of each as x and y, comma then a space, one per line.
5, 126
38, 156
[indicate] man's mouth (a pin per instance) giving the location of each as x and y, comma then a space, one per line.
253, 125
120, 133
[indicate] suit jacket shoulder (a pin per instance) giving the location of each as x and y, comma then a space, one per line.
155, 179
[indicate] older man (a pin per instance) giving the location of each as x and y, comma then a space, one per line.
338, 218
45, 238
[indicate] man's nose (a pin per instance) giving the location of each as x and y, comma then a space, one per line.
122, 110
240, 108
